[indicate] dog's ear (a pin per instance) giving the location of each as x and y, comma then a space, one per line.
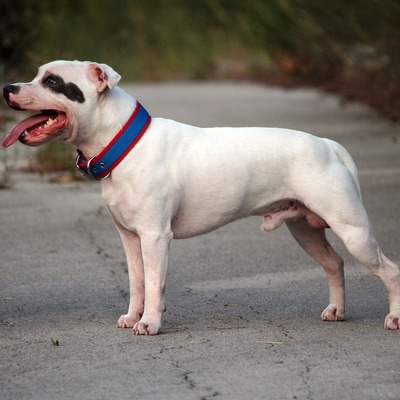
104, 76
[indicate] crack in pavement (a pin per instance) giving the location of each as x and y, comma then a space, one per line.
192, 384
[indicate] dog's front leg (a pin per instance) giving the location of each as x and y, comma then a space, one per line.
155, 253
131, 242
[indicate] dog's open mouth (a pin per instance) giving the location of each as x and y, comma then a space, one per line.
37, 129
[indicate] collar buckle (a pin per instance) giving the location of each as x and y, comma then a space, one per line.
91, 171
87, 171
83, 170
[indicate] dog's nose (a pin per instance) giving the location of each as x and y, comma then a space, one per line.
10, 89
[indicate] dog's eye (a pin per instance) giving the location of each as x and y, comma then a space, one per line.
51, 80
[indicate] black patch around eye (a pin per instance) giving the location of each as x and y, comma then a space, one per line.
56, 84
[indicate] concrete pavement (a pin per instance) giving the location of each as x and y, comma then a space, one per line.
243, 306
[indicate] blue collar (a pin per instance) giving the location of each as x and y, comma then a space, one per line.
100, 166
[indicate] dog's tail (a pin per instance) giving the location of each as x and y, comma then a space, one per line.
347, 161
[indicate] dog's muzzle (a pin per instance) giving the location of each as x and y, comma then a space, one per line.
11, 89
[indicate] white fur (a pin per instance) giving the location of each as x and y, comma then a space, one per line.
181, 181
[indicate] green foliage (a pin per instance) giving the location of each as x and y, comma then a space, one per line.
55, 156
175, 38
350, 42
18, 29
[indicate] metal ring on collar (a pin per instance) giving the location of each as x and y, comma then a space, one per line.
95, 171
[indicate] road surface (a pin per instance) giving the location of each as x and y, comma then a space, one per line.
243, 306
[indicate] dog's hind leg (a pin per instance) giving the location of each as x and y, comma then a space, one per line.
347, 217
335, 197
360, 242
314, 242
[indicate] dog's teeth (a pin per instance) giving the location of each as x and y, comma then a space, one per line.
51, 121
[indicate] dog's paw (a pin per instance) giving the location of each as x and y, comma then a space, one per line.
392, 322
145, 328
126, 321
332, 314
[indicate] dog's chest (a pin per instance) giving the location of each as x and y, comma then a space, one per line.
122, 202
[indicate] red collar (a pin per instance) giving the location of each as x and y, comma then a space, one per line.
100, 166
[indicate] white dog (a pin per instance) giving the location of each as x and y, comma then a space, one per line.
162, 179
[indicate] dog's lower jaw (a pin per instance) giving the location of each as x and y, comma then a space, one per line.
70, 137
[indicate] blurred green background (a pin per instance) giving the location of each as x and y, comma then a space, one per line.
352, 47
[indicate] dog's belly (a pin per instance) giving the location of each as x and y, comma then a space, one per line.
186, 225
275, 214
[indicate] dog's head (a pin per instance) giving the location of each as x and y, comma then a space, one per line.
66, 93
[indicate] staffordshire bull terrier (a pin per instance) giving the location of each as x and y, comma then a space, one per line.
162, 179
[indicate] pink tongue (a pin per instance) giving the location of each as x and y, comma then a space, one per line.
20, 128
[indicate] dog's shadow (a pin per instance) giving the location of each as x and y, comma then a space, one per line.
240, 308
196, 309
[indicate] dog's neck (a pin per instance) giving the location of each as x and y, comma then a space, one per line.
103, 164
108, 117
